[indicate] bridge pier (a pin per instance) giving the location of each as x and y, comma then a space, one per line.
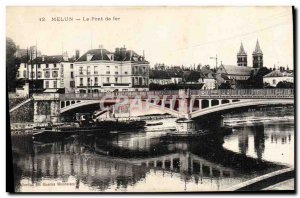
46, 108
200, 104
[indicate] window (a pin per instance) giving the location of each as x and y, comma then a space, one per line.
88, 70
24, 74
95, 69
274, 82
88, 81
32, 74
47, 74
80, 71
55, 84
108, 72
54, 74
116, 67
126, 72
71, 66
116, 80
116, 72
107, 79
54, 64
47, 84
47, 65
81, 81
72, 74
72, 84
96, 80
39, 74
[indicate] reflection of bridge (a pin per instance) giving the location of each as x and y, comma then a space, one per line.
59, 161
182, 103
187, 162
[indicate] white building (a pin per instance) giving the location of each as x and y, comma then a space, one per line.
99, 70
208, 80
276, 76
52, 72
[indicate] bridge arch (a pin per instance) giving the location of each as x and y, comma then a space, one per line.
240, 104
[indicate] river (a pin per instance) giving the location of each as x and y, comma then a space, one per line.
261, 142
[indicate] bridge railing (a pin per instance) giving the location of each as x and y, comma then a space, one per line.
130, 94
246, 93
221, 93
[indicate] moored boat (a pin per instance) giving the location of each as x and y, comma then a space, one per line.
84, 125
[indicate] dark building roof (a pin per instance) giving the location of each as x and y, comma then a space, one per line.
50, 59
120, 54
97, 54
235, 70
278, 73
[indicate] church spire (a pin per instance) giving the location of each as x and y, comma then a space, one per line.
257, 48
242, 56
242, 51
257, 56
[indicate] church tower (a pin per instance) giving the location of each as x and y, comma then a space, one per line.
242, 57
257, 56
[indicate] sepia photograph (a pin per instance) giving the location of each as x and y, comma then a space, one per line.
158, 99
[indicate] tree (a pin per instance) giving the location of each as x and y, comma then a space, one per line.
285, 85
225, 86
256, 81
11, 68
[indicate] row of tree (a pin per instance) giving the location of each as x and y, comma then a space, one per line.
11, 64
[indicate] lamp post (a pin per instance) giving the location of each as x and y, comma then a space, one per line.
216, 58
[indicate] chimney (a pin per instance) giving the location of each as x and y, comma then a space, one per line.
122, 53
77, 54
287, 68
65, 56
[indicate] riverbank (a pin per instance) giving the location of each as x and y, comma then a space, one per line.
285, 185
271, 181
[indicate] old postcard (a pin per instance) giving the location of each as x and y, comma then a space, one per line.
150, 99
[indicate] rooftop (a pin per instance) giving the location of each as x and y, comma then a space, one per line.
120, 54
235, 70
278, 73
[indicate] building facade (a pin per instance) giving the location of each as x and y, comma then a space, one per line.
276, 76
99, 70
53, 72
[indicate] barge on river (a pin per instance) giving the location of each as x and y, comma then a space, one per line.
85, 125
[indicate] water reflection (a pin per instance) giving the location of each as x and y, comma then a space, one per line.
128, 163
272, 142
147, 161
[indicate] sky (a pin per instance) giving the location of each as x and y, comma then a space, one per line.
170, 35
